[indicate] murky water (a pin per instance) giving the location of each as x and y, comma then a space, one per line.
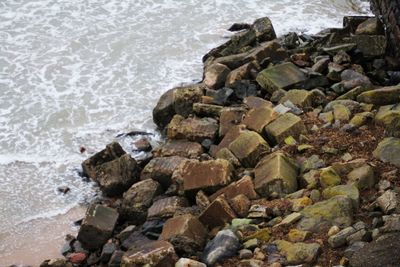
78, 72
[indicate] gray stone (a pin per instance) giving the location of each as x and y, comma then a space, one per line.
224, 245
388, 201
183, 262
388, 150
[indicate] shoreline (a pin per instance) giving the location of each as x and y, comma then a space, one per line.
190, 113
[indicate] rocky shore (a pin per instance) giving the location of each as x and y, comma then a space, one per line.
286, 154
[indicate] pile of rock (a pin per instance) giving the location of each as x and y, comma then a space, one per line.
287, 153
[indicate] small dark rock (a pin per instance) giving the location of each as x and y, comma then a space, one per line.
239, 27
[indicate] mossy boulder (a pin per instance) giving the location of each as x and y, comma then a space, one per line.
328, 177
388, 150
299, 97
298, 253
383, 96
362, 177
348, 190
322, 215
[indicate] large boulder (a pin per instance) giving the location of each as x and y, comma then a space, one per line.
248, 147
164, 110
155, 254
275, 174
186, 233
284, 126
97, 226
192, 129
115, 177
161, 169
388, 150
383, 96
111, 152
138, 199
281, 76
381, 252
215, 75
322, 215
185, 97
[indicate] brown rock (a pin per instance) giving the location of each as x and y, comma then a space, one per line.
241, 205
226, 154
186, 233
254, 102
192, 129
257, 119
271, 49
185, 97
161, 169
180, 148
230, 117
244, 186
248, 148
166, 207
207, 110
164, 110
155, 254
241, 73
229, 137
217, 214
215, 75
142, 144
284, 126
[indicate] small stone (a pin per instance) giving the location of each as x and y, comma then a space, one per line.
142, 144
388, 201
124, 234
251, 243
183, 262
328, 177
97, 227
341, 113
77, 257
300, 203
349, 190
245, 254
295, 235
363, 177
340, 239
333, 230
224, 245
241, 205
290, 219
107, 251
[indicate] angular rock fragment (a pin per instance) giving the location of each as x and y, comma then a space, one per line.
224, 245
161, 169
256, 119
382, 96
248, 147
218, 213
192, 129
284, 126
348, 190
275, 174
115, 177
110, 153
363, 177
388, 201
241, 73
230, 116
156, 254
180, 148
244, 186
240, 205
271, 49
138, 199
388, 150
215, 75
166, 207
97, 227
186, 233
298, 253
282, 76
254, 102
207, 110
164, 110
370, 45
301, 98
185, 97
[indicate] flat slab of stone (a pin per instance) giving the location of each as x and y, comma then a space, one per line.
97, 226
182, 148
166, 207
218, 213
322, 215
299, 97
185, 232
256, 119
156, 253
161, 169
383, 96
207, 175
388, 150
281, 76
275, 174
284, 126
248, 148
254, 102
244, 186
192, 129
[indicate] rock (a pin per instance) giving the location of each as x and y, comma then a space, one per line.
353, 248
166, 207
180, 148
115, 177
321, 65
281, 76
161, 169
290, 219
226, 154
245, 254
284, 126
333, 50
341, 113
156, 253
185, 97
372, 26
272, 50
245, 88
300, 203
380, 252
253, 102
56, 263
334, 211
348, 190
111, 152
301, 98
391, 223
143, 144
248, 147
233, 61
295, 235
388, 150
309, 180
256, 119
208, 176
224, 245
240, 205
77, 257
107, 251
164, 110
264, 29
275, 173
360, 235
97, 227
382, 96
186, 233
124, 234
241, 73
223, 96
370, 45
207, 110
388, 201
333, 231
298, 253
183, 262
218, 213
340, 239
116, 259
138, 199
230, 116
341, 58
233, 133
63, 189
328, 177
353, 93
215, 75
243, 186
363, 177
192, 129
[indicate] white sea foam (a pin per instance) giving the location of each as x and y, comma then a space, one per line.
76, 73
